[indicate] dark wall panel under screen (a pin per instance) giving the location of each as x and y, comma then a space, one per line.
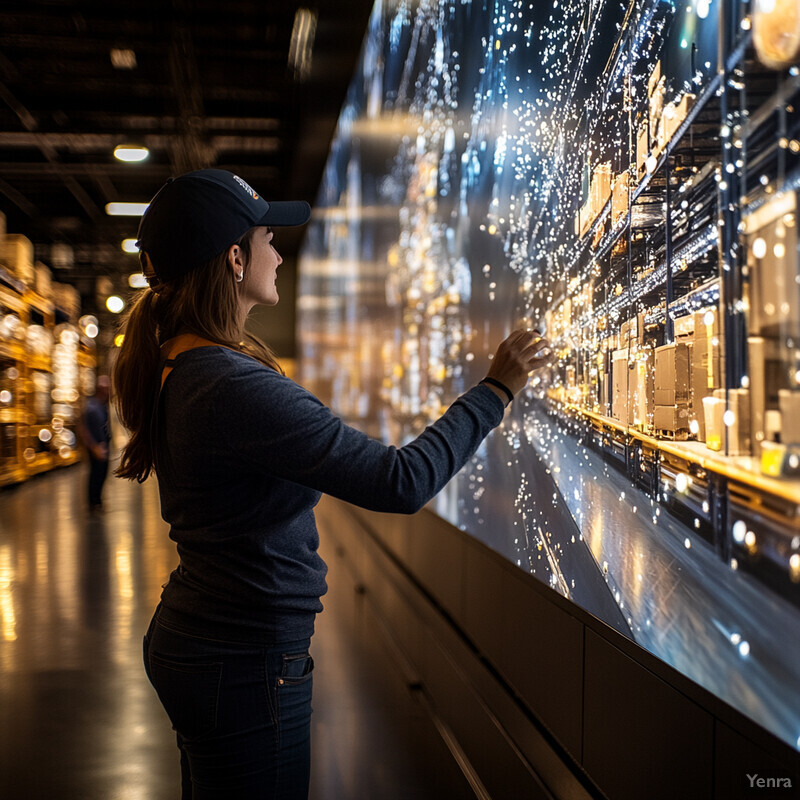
642, 738
534, 657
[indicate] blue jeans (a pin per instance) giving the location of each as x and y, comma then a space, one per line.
242, 713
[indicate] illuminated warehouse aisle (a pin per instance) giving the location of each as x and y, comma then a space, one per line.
715, 624
78, 720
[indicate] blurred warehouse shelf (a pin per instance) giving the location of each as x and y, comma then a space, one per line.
47, 364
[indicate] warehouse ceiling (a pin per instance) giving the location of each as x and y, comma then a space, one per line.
198, 82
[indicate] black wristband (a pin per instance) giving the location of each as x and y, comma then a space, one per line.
501, 386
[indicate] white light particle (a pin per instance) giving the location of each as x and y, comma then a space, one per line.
739, 531
744, 649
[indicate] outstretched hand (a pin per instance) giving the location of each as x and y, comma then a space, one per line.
521, 353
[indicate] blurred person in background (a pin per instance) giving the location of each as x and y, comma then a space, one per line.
96, 434
242, 454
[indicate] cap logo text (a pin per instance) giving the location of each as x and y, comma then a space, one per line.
246, 187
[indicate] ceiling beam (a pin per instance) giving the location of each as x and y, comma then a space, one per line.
192, 150
18, 199
29, 123
79, 142
144, 173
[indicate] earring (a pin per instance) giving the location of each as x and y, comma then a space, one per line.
239, 277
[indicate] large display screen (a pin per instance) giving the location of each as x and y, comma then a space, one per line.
623, 178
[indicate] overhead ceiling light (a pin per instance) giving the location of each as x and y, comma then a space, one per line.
131, 152
302, 42
126, 209
129, 246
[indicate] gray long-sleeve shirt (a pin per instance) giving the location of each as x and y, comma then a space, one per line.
243, 456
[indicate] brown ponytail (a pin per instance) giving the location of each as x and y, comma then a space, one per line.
204, 302
134, 379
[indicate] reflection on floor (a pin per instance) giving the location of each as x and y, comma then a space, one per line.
78, 720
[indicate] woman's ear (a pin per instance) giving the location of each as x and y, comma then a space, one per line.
235, 261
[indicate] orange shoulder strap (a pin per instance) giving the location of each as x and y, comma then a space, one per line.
180, 344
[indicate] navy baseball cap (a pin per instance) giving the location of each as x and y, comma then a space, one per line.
200, 214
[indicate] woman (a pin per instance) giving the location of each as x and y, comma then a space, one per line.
242, 455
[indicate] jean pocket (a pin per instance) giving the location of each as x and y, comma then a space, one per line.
189, 693
296, 669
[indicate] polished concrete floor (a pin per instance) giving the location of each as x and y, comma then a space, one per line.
78, 719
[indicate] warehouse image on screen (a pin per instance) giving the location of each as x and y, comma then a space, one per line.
622, 178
